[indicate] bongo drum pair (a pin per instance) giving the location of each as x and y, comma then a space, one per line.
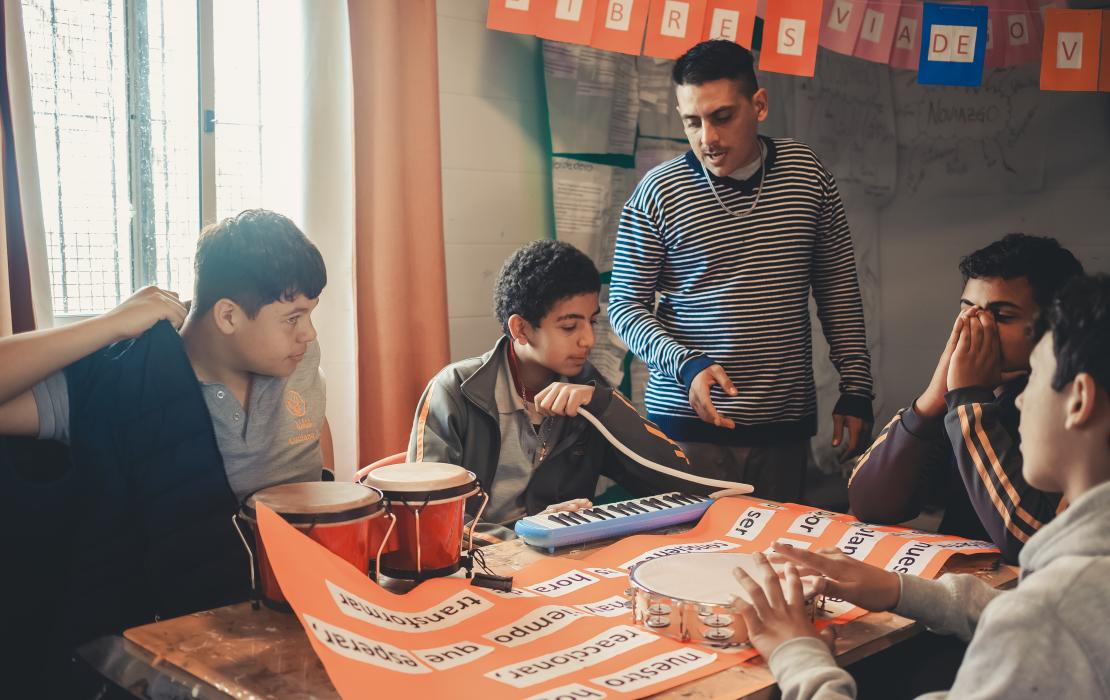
405, 519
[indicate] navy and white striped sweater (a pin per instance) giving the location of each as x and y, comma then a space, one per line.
736, 292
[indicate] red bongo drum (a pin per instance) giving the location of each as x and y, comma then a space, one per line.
336, 514
428, 500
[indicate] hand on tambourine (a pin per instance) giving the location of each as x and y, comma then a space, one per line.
775, 609
563, 399
573, 504
841, 576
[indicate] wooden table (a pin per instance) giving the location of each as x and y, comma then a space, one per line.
244, 653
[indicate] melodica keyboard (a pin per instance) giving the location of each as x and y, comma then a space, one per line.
551, 530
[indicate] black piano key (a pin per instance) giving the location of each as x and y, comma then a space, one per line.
672, 499
557, 519
685, 498
601, 514
655, 501
616, 508
646, 502
637, 507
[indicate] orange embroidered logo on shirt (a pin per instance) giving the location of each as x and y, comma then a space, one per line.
295, 403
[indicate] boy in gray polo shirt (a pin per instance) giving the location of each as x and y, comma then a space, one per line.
248, 337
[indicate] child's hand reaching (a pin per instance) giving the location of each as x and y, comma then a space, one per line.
563, 399
143, 309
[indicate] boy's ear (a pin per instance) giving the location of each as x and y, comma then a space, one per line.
227, 316
519, 329
1082, 401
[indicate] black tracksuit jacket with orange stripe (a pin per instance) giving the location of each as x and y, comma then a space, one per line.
969, 463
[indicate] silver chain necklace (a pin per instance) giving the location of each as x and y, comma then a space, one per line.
758, 192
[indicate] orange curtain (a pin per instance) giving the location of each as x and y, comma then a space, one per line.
400, 276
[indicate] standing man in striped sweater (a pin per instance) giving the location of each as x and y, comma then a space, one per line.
733, 236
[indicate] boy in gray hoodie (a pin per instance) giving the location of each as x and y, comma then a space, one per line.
1045, 638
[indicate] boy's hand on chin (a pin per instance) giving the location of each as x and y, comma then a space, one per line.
563, 399
143, 309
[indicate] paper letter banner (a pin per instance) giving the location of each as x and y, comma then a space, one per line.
840, 24
517, 16
790, 31
570, 21
906, 51
673, 26
619, 25
564, 627
1071, 50
730, 19
1104, 73
953, 45
876, 33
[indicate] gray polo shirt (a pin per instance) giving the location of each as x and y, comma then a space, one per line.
520, 448
275, 441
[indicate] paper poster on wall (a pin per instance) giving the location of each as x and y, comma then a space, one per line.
847, 116
619, 26
651, 152
953, 44
588, 198
1071, 50
790, 32
592, 98
673, 26
732, 20
964, 142
658, 115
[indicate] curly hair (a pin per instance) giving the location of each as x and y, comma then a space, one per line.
1079, 318
1041, 260
539, 275
255, 258
716, 59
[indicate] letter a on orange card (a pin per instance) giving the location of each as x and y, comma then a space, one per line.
570, 21
516, 16
1070, 58
619, 25
790, 31
733, 20
673, 26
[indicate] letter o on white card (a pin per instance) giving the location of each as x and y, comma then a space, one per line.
675, 15
618, 15
517, 5
792, 34
1019, 30
569, 10
1069, 50
724, 24
872, 26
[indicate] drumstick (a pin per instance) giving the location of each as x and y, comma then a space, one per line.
729, 488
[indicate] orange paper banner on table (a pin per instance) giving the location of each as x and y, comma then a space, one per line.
569, 21
619, 25
1104, 72
1071, 50
516, 16
673, 26
733, 20
790, 31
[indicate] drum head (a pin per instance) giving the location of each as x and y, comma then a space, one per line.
313, 502
698, 577
430, 481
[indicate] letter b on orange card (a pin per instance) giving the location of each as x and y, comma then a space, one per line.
1070, 58
790, 31
619, 25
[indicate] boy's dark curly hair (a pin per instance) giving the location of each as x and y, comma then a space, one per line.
539, 275
1079, 319
1041, 260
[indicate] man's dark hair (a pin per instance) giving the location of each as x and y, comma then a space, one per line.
254, 259
713, 60
1041, 260
538, 276
1079, 318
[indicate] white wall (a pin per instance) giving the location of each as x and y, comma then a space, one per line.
496, 173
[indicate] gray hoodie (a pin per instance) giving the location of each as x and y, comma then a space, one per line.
1047, 638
